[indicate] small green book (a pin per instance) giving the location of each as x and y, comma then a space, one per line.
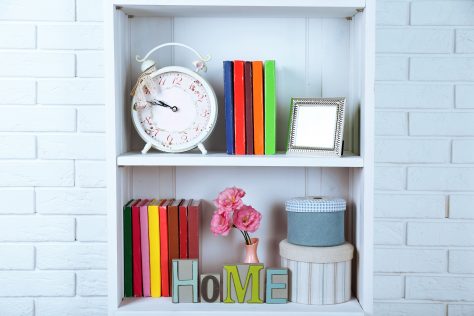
270, 107
127, 249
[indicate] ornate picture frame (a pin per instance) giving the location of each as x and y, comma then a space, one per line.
316, 126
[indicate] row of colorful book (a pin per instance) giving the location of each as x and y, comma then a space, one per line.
250, 107
154, 233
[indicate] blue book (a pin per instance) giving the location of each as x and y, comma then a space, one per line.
229, 105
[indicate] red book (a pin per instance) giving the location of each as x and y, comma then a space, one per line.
183, 229
164, 255
194, 223
248, 108
136, 250
173, 234
239, 107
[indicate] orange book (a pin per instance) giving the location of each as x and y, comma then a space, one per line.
258, 119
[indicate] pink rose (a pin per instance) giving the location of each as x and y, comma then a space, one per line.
222, 210
230, 199
247, 218
221, 223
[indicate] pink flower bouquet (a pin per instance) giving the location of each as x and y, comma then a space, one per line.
233, 213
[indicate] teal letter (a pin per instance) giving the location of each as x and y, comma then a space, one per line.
185, 281
277, 286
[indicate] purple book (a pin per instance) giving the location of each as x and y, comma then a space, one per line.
248, 108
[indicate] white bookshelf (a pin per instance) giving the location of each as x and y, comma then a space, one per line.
219, 159
322, 48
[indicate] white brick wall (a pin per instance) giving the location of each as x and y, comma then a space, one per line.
424, 175
52, 244
53, 228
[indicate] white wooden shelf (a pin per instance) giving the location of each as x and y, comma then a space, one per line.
224, 160
164, 307
237, 8
319, 53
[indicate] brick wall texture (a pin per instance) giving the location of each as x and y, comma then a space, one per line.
424, 152
52, 180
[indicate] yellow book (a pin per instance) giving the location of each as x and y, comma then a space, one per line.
154, 238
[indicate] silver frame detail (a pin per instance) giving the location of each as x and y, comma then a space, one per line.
296, 103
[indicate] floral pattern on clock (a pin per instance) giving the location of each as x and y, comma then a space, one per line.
180, 112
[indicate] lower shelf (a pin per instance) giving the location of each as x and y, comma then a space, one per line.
164, 306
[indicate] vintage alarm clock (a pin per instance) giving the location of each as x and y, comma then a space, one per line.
174, 109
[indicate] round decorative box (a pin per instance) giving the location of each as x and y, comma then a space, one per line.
316, 221
319, 275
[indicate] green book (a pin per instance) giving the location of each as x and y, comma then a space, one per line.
270, 107
127, 249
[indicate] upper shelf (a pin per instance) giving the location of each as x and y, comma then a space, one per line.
224, 160
247, 8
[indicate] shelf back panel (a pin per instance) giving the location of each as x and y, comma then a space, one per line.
312, 57
267, 189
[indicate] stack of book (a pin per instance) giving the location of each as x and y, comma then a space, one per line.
250, 107
154, 233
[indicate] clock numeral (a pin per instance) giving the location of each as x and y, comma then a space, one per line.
162, 81
152, 132
177, 81
205, 113
192, 87
200, 97
169, 139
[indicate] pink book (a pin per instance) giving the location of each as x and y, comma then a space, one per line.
145, 247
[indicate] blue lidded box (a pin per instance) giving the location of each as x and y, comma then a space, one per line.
316, 221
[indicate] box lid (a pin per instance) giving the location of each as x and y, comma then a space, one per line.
339, 253
315, 204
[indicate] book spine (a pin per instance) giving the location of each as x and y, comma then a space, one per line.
194, 220
239, 107
270, 107
248, 108
183, 231
154, 237
127, 250
145, 249
173, 237
164, 255
258, 116
137, 256
229, 105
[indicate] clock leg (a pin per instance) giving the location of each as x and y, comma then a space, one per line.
202, 149
146, 148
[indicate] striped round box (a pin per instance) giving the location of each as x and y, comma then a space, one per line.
316, 221
319, 275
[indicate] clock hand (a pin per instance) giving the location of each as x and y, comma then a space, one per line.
163, 104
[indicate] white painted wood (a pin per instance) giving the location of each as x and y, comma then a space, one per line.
335, 67
220, 159
317, 55
118, 184
257, 8
365, 214
247, 3
148, 306
321, 56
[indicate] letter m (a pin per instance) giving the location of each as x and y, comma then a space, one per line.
233, 288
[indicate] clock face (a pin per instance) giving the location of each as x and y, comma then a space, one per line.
180, 113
